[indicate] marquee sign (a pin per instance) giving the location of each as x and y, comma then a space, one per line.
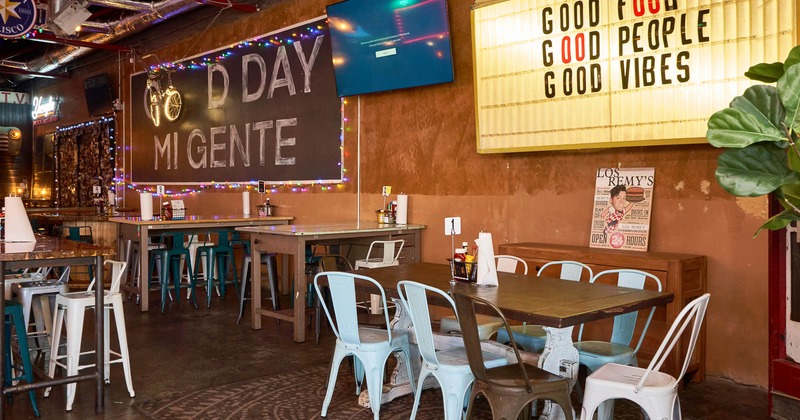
602, 73
16, 17
45, 110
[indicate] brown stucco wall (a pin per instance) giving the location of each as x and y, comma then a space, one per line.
422, 142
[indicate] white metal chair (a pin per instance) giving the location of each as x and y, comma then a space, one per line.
656, 392
594, 354
72, 306
487, 325
38, 297
371, 346
531, 338
450, 367
389, 258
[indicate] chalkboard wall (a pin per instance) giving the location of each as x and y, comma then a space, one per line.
264, 110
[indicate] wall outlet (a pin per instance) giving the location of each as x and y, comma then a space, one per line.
160, 189
452, 226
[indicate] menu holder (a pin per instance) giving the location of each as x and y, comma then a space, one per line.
178, 210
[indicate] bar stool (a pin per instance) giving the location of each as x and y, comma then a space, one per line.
32, 295
272, 273
14, 316
72, 306
219, 260
172, 252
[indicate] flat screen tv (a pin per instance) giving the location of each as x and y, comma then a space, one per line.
381, 45
99, 96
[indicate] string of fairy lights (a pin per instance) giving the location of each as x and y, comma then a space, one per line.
269, 41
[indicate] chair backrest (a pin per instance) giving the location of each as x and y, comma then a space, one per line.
389, 254
334, 262
465, 310
570, 270
343, 297
175, 240
78, 233
117, 272
625, 324
415, 300
508, 264
693, 313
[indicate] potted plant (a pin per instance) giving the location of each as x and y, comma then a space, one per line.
760, 132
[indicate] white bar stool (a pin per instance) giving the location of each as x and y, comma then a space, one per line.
73, 306
34, 296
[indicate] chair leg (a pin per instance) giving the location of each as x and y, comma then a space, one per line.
25, 355
454, 391
74, 329
122, 336
424, 372
338, 355
55, 342
243, 287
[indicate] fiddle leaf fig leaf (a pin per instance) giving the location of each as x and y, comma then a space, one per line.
761, 101
754, 170
794, 160
779, 221
789, 91
751, 118
791, 192
765, 72
793, 58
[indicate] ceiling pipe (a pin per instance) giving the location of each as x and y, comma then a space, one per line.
133, 6
156, 13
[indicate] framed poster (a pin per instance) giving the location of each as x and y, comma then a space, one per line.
623, 199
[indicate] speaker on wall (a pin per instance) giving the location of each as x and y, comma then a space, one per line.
99, 96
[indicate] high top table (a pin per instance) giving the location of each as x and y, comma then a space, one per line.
555, 304
138, 230
292, 240
51, 251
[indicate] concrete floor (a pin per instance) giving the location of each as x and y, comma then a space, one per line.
189, 349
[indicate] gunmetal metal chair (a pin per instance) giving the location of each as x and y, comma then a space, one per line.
510, 388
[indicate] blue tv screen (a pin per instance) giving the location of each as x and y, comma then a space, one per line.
381, 45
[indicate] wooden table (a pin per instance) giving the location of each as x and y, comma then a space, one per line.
50, 251
555, 304
291, 241
138, 230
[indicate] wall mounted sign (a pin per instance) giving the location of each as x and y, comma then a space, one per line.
264, 109
603, 73
16, 17
15, 98
45, 109
623, 200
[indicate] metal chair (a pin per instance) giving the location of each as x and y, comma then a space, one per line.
173, 253
510, 388
71, 307
218, 262
38, 297
532, 338
371, 346
13, 316
389, 258
449, 367
487, 325
594, 354
656, 392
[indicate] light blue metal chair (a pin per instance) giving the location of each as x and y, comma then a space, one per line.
487, 325
371, 346
594, 354
218, 262
531, 338
450, 367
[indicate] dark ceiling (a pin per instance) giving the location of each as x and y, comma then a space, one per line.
114, 27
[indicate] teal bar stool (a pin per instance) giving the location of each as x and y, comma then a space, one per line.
172, 253
13, 315
219, 259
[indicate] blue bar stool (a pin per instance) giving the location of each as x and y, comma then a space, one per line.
172, 252
219, 259
13, 315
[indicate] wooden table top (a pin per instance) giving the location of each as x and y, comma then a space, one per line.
135, 220
50, 247
536, 300
330, 229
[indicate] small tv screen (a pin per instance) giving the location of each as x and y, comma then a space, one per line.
99, 96
381, 45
